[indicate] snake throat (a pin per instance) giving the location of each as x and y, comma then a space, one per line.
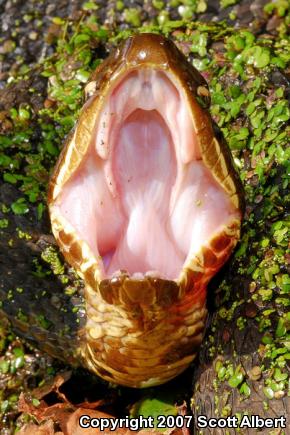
146, 205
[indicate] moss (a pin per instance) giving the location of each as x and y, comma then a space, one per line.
50, 256
158, 4
132, 16
226, 3
4, 223
23, 235
120, 5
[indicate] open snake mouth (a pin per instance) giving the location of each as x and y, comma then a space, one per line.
142, 198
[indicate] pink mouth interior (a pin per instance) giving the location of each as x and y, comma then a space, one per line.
142, 198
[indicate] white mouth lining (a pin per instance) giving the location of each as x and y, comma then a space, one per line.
89, 187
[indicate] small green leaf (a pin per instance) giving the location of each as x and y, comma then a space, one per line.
279, 376
221, 372
58, 21
278, 61
40, 210
163, 404
245, 389
281, 328
19, 362
4, 405
257, 56
236, 379
132, 16
4, 223
9, 178
90, 6
226, 3
263, 59
158, 4
266, 294
4, 366
81, 38
82, 75
102, 33
43, 322
35, 402
235, 91
269, 393
20, 207
243, 133
18, 351
24, 114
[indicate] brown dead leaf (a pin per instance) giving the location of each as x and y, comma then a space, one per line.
182, 410
59, 411
25, 405
53, 387
94, 405
45, 429
68, 421
66, 416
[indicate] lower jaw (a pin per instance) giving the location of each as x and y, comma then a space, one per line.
146, 340
142, 332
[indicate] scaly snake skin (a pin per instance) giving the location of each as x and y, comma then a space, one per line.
143, 332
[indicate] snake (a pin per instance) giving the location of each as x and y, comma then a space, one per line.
146, 205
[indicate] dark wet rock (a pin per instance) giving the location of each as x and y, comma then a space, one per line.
24, 24
213, 6
237, 341
32, 90
39, 319
273, 24
223, 14
279, 78
20, 20
244, 14
257, 9
207, 17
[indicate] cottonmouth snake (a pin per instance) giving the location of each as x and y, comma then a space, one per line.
146, 205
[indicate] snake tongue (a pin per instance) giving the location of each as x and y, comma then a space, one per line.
142, 197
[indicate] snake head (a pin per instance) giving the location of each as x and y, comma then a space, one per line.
146, 205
